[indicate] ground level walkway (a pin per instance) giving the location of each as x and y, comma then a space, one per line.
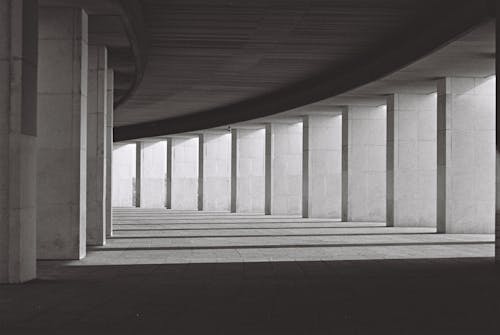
170, 272
157, 236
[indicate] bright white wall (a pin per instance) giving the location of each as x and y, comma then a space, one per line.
154, 173
411, 160
364, 163
286, 168
322, 166
185, 173
123, 171
250, 170
217, 172
466, 155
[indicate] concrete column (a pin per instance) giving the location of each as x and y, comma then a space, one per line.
269, 191
364, 163
497, 184
322, 166
154, 168
215, 170
284, 168
62, 133
168, 190
248, 167
96, 145
109, 152
185, 156
411, 160
138, 174
466, 155
234, 170
345, 166
123, 174
201, 170
18, 131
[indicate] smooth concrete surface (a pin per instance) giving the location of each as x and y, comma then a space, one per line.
169, 174
364, 163
18, 119
216, 165
178, 272
497, 162
248, 163
109, 152
411, 160
184, 172
466, 155
97, 106
123, 174
62, 133
154, 173
138, 174
322, 166
234, 171
201, 168
247, 298
161, 236
283, 168
254, 61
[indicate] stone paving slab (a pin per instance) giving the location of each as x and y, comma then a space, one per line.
233, 238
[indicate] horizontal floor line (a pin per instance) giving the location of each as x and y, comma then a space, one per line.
244, 228
284, 246
264, 235
231, 221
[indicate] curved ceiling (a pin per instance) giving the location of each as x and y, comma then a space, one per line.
216, 62
119, 25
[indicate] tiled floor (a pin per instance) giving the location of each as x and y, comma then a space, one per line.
155, 236
218, 273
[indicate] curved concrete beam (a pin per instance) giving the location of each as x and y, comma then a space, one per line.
135, 56
133, 21
458, 20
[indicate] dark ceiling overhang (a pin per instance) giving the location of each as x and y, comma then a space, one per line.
118, 25
441, 27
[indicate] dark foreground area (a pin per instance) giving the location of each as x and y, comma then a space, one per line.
440, 296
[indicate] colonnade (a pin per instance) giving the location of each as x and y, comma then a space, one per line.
422, 160
419, 160
56, 131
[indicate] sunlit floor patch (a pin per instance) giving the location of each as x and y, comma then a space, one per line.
157, 236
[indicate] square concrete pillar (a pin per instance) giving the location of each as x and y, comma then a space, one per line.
497, 184
168, 191
96, 144
185, 181
109, 152
138, 175
248, 170
284, 168
154, 170
234, 170
18, 131
268, 181
62, 133
411, 160
201, 170
215, 170
364, 163
123, 174
466, 155
322, 166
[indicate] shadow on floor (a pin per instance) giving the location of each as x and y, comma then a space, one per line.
423, 296
281, 246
